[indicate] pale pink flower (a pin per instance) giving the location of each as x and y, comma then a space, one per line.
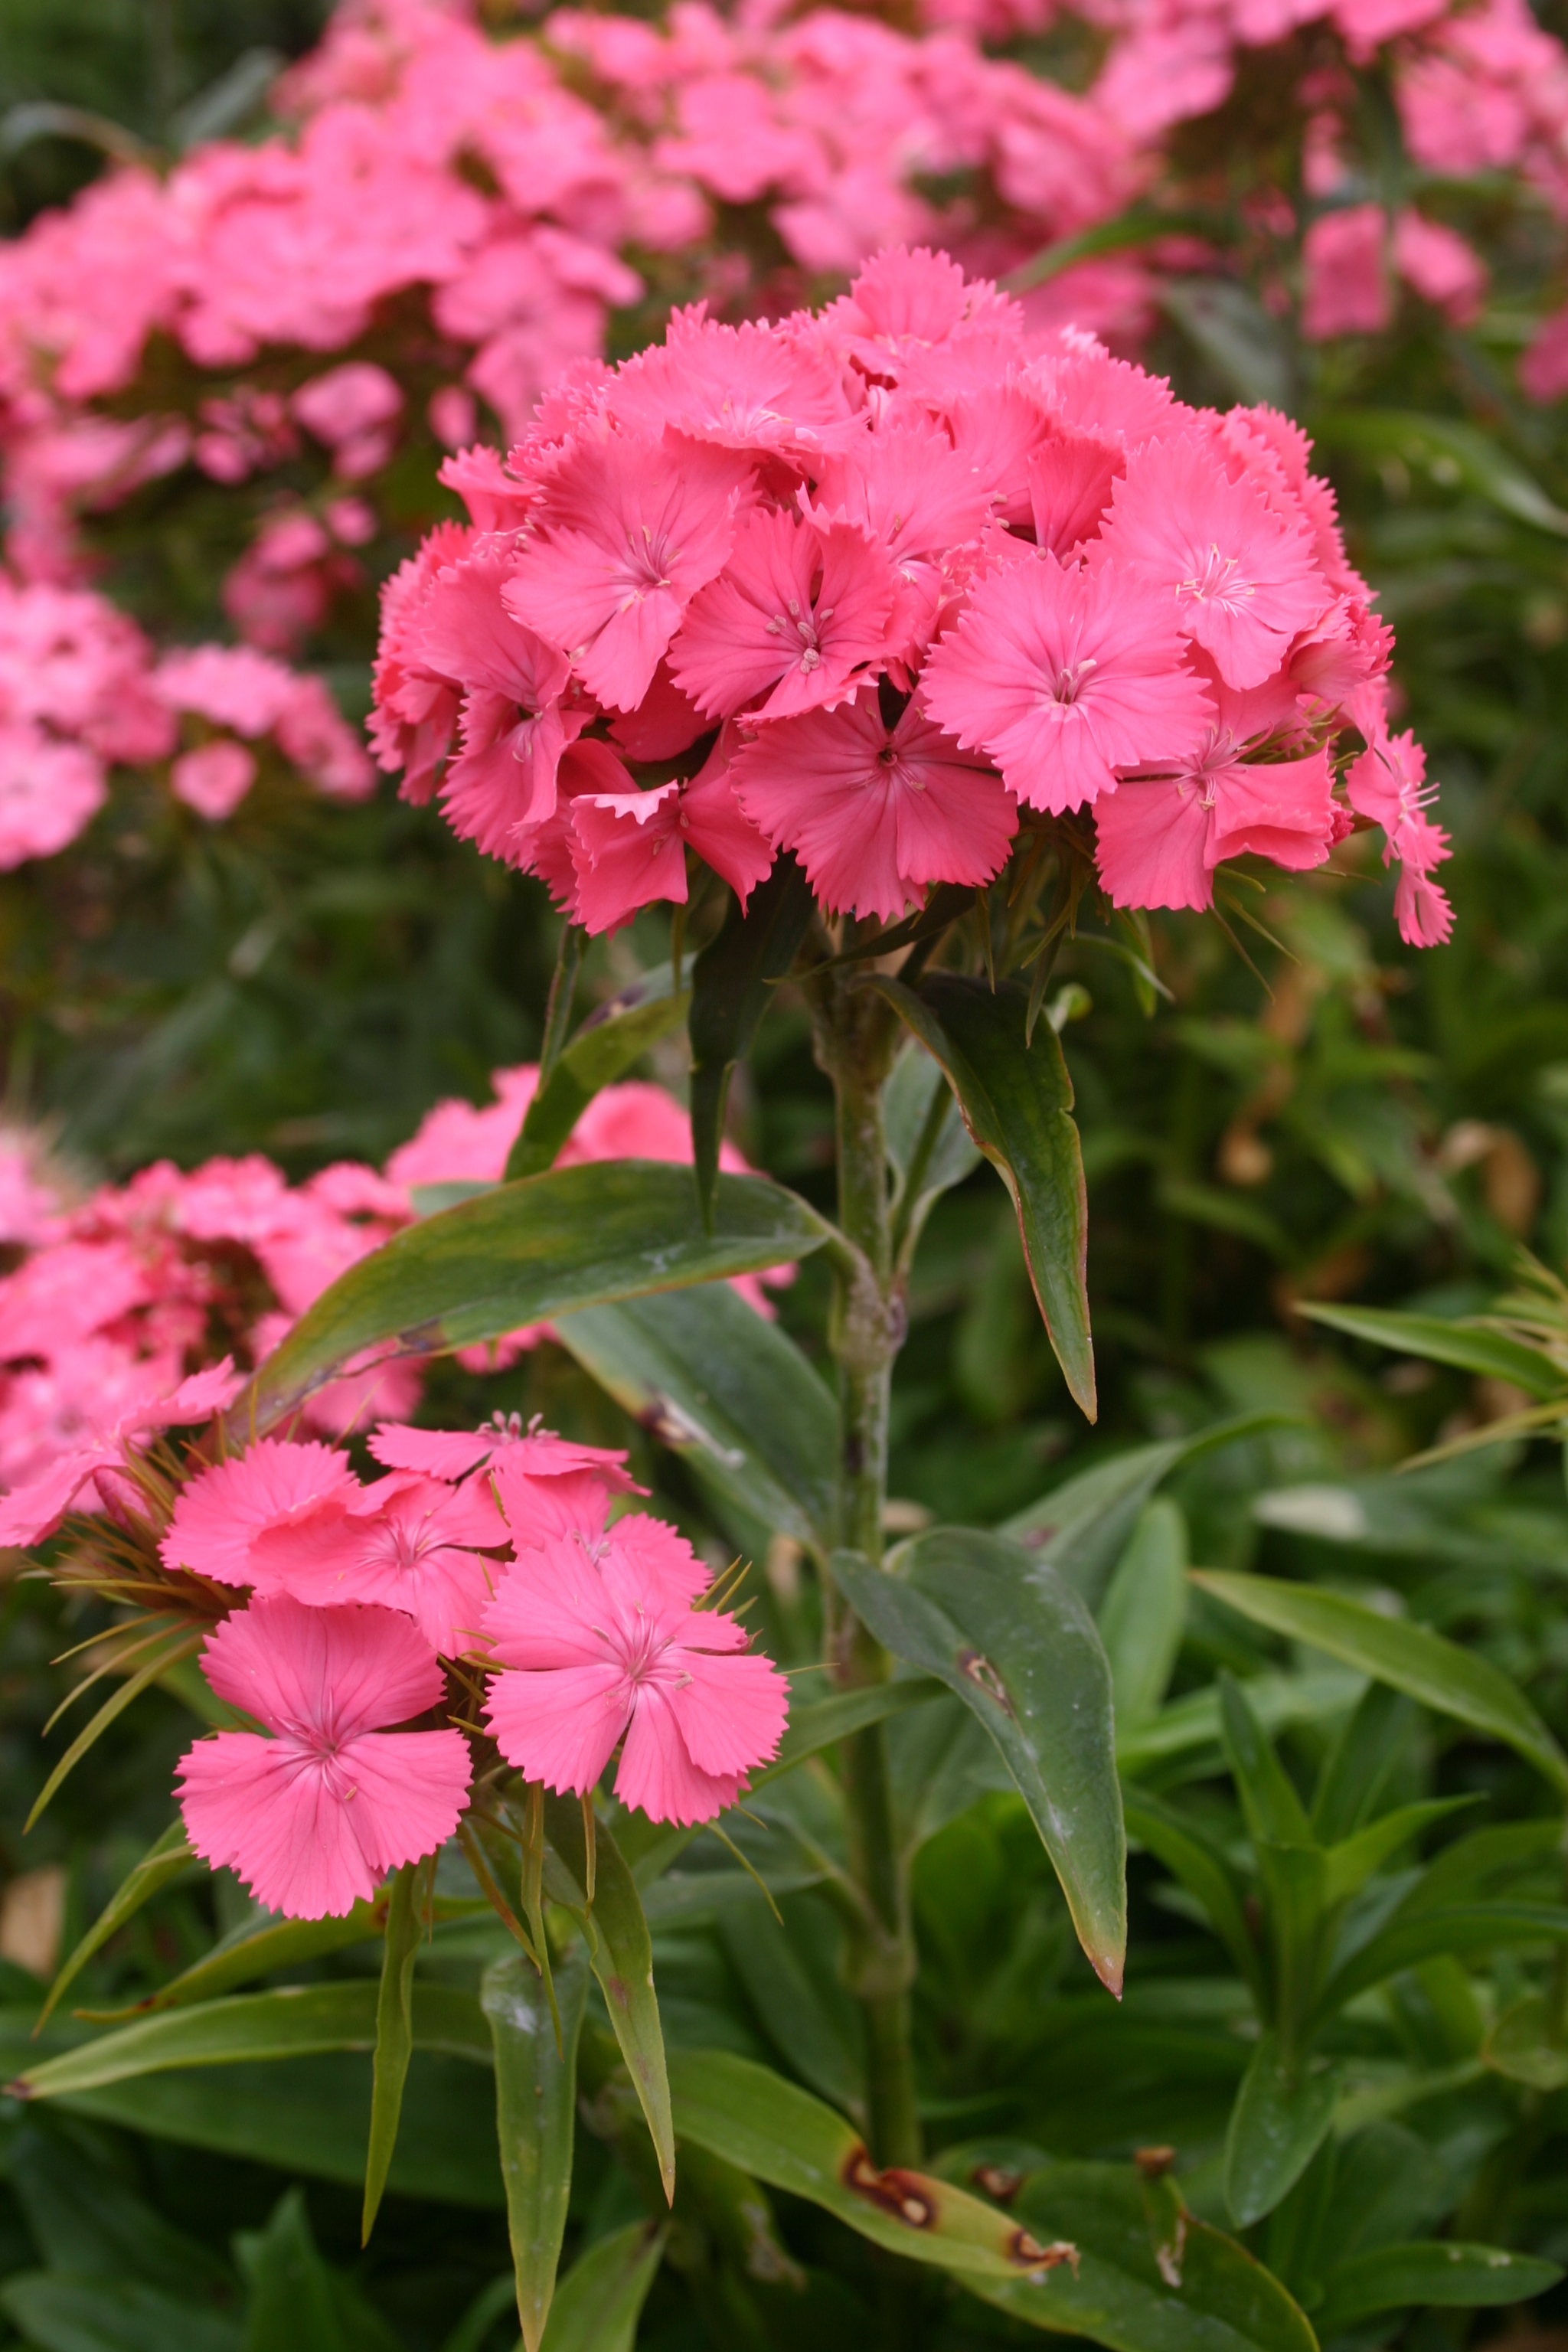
313, 1817
1440, 265
31, 1512
48, 791
797, 617
408, 1541
214, 779
595, 1647
349, 405
221, 1513
1345, 274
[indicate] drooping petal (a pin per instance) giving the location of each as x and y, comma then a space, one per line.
321, 1674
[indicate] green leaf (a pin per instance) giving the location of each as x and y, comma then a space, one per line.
819, 2036
1447, 448
1203, 1869
732, 986
1138, 225
1149, 2276
620, 1953
1446, 2272
259, 1947
472, 2332
1281, 2117
601, 2297
297, 2303
1489, 1354
1273, 1809
183, 1644
166, 1859
603, 1050
781, 2135
1410, 1938
929, 1148
1354, 1773
1016, 1101
536, 2097
1352, 1863
726, 1391
1016, 1644
524, 1253
829, 1720
291, 2021
1145, 1612
1520, 2046
61, 2313
1234, 333
408, 1917
1183, 1733
1411, 1658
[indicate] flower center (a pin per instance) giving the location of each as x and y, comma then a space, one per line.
1214, 581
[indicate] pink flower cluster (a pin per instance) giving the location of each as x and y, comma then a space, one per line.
885, 583
114, 1299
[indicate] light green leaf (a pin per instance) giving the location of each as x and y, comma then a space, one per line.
1016, 1101
1415, 1936
1182, 1733
1281, 2117
781, 2135
1412, 1658
1274, 1811
259, 1947
1448, 2273
1016, 1644
726, 1391
536, 2099
525, 1253
1450, 449
62, 2312
732, 984
620, 1953
1149, 2276
408, 1917
1489, 1354
600, 2299
166, 1859
1520, 2046
1352, 1863
1145, 1612
603, 1050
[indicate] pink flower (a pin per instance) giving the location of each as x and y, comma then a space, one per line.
408, 1541
48, 792
213, 780
514, 728
795, 617
630, 848
1439, 265
30, 1513
1346, 289
599, 1642
1160, 839
876, 813
1544, 370
352, 408
631, 531
1388, 783
313, 1817
1065, 676
221, 1513
1243, 578
535, 1453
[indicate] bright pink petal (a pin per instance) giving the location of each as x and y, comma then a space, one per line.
731, 1711
550, 1610
793, 620
657, 1775
559, 1726
321, 1674
219, 1513
628, 850
1152, 838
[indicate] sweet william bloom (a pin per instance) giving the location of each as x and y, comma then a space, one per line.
513, 727
214, 779
792, 623
311, 1817
1242, 577
629, 848
598, 1643
408, 1542
221, 1512
1162, 837
1343, 264
29, 1513
537, 1453
1065, 676
1388, 783
875, 812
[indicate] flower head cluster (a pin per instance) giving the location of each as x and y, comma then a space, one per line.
882, 586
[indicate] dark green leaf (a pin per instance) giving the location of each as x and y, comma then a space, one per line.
601, 2297
733, 986
829, 1720
168, 1858
818, 2035
1281, 2117
165, 1654
1203, 1871
1144, 1611
1234, 333
260, 1946
1388, 2278
1016, 1101
604, 1049
1182, 1733
779, 2134
536, 2098
59, 2313
1408, 1940
407, 1918
1411, 1658
620, 1953
1447, 443
297, 2303
930, 1149
525, 1253
1523, 2047
1348, 1865
1274, 1811
1017, 1646
725, 1390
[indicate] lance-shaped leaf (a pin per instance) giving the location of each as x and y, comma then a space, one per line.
1149, 2277
1412, 1936
408, 1917
71, 2314
525, 1253
1281, 2117
620, 1953
1491, 1355
1016, 1101
829, 1720
1200, 1863
1446, 2272
725, 1390
168, 1858
732, 984
602, 2295
1017, 1646
168, 1651
259, 1947
929, 1149
536, 2098
781, 2135
1411, 1658
603, 1050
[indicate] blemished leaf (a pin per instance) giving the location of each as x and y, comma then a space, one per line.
166, 1859
1281, 2117
1520, 2046
603, 1050
1461, 449
732, 984
525, 1253
1016, 1101
781, 2135
1149, 2277
60, 2311
1411, 1658
1490, 1355
1013, 1641
1144, 1611
536, 2099
1445, 2272
620, 1953
407, 1918
600, 2300
726, 1391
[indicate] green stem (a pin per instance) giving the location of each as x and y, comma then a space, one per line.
855, 1038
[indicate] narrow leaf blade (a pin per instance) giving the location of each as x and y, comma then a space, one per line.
536, 2097
604, 1049
1491, 1355
166, 1859
733, 986
1280, 2119
1446, 2273
601, 2297
406, 1918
